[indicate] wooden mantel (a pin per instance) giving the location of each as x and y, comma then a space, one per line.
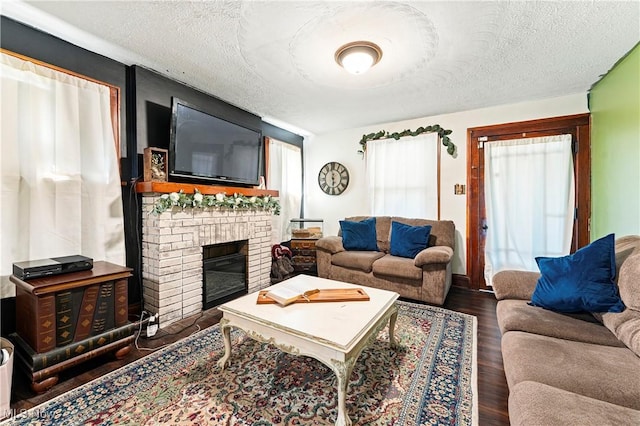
188, 188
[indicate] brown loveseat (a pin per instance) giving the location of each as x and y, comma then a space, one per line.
427, 277
572, 369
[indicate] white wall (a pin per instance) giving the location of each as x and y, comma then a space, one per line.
342, 146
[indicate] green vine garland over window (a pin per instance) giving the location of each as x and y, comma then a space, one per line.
383, 134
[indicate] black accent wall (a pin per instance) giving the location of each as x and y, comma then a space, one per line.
282, 135
145, 114
152, 94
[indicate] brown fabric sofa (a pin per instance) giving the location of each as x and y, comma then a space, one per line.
578, 369
427, 277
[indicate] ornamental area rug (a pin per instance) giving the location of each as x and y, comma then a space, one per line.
430, 379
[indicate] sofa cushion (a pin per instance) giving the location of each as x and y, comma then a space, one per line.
383, 226
629, 281
518, 315
626, 325
511, 284
433, 255
625, 247
359, 235
443, 232
606, 373
408, 241
395, 266
582, 281
360, 260
532, 403
332, 244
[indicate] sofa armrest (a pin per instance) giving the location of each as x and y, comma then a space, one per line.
515, 284
331, 244
435, 254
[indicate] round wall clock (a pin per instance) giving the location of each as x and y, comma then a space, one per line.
333, 178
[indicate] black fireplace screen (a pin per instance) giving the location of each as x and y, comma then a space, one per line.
224, 279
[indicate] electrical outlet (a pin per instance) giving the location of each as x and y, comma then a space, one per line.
152, 329
152, 325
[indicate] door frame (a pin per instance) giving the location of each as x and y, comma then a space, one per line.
578, 126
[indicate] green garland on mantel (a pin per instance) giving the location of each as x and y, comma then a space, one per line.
383, 134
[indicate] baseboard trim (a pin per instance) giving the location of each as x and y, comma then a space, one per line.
460, 280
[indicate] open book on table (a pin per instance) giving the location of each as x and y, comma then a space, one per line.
290, 292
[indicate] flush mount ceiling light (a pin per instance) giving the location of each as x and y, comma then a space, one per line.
358, 56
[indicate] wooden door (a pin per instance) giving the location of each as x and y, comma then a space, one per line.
575, 125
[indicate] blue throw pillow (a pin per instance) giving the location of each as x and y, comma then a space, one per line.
582, 281
407, 240
359, 235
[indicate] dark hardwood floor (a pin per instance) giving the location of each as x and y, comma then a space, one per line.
492, 386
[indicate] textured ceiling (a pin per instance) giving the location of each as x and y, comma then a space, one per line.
276, 58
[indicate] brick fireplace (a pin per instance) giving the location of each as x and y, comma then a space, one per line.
172, 254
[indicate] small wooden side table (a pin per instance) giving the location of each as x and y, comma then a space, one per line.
304, 255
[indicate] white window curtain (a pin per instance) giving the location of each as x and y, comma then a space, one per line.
59, 173
285, 175
402, 176
530, 201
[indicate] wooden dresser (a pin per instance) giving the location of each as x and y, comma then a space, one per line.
63, 320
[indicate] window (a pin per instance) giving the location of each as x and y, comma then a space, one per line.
529, 200
284, 174
59, 167
403, 176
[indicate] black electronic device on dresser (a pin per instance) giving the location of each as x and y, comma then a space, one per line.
52, 266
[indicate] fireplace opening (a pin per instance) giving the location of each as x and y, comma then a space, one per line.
224, 273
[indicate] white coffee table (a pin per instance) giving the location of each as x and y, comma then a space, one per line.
335, 333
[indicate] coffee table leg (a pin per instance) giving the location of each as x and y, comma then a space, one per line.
343, 372
226, 333
392, 326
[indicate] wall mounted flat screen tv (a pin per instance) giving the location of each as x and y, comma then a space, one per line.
203, 147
